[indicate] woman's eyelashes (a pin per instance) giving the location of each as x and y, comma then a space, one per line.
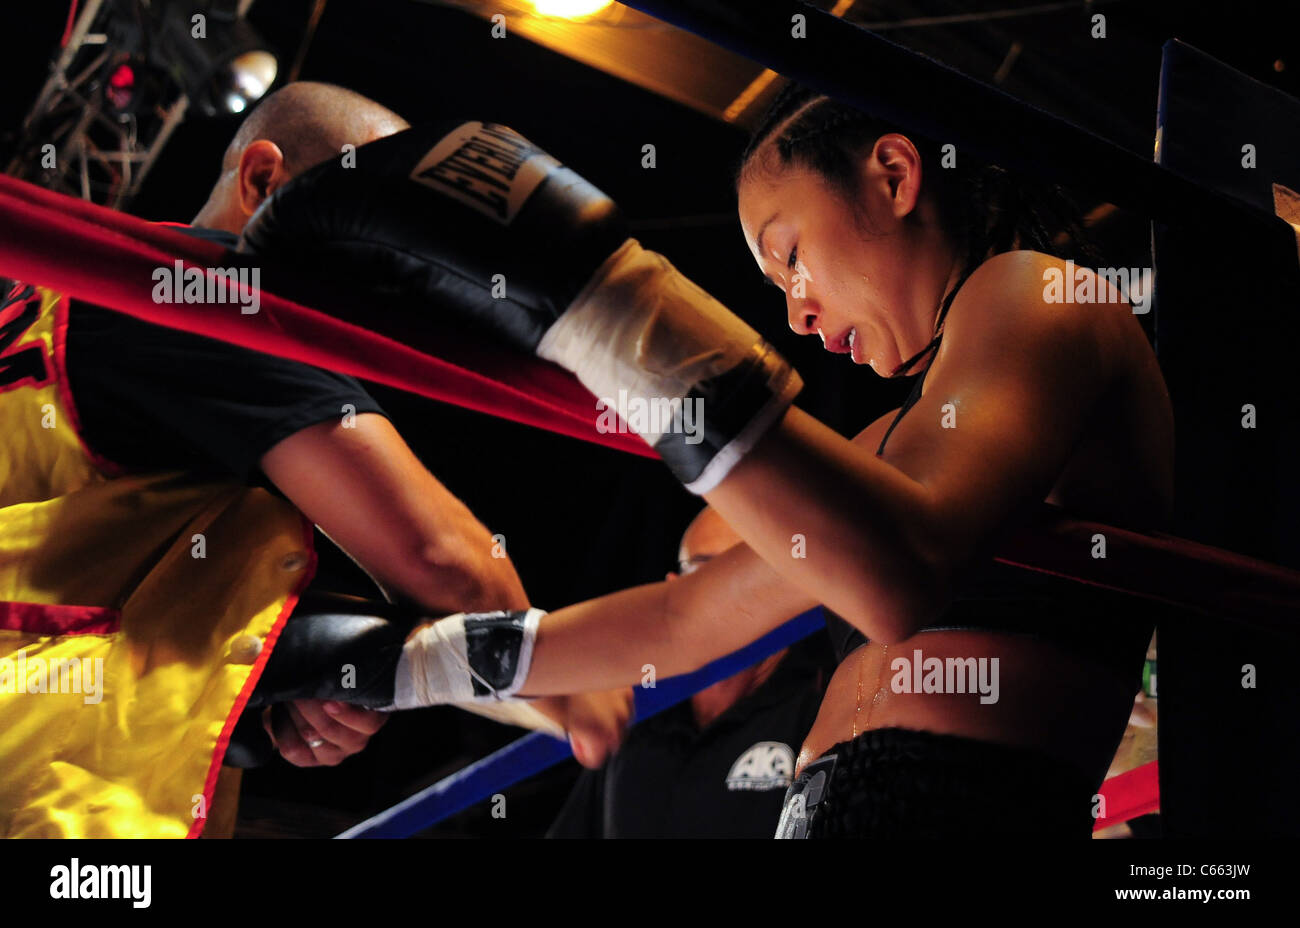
791, 264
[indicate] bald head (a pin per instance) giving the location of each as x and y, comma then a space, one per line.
311, 122
299, 126
706, 537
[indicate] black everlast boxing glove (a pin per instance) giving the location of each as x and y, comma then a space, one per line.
329, 649
472, 221
332, 651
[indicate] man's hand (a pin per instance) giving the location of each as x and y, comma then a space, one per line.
596, 722
320, 733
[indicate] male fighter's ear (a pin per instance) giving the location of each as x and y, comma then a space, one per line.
897, 162
261, 170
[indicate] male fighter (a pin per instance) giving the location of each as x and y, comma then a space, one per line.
152, 518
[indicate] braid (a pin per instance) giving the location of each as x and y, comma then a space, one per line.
842, 118
789, 100
986, 208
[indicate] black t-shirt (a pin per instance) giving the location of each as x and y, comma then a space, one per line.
672, 780
153, 398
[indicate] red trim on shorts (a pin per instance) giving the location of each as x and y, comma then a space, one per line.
268, 645
54, 620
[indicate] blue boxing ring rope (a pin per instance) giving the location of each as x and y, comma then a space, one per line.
533, 753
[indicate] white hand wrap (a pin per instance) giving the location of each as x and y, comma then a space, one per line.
683, 371
466, 658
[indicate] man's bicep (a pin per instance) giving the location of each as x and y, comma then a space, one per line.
367, 491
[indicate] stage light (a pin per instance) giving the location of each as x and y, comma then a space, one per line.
120, 87
224, 71
250, 75
570, 9
127, 74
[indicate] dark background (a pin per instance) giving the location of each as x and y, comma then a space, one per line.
580, 520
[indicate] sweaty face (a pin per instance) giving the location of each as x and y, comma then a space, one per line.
845, 275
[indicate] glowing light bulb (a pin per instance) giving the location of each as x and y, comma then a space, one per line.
570, 9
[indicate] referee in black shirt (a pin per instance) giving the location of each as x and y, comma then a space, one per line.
716, 766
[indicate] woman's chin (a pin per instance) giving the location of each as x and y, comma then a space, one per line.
859, 354
862, 354
871, 360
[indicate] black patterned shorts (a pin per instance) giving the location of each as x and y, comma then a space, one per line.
898, 783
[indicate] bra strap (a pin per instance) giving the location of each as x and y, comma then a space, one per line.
932, 347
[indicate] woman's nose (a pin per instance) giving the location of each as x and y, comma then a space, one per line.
802, 314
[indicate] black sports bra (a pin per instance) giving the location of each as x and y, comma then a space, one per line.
1112, 629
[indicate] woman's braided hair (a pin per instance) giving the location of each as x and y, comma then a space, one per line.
986, 208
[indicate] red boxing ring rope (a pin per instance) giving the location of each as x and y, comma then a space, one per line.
106, 257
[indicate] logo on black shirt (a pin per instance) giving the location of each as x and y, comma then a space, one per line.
766, 765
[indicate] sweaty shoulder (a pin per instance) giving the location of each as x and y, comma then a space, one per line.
1016, 302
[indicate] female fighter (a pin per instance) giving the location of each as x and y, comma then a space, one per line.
971, 698
903, 266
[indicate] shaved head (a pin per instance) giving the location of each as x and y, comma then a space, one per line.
298, 127
310, 122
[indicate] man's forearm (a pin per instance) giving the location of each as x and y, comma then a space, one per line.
462, 570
